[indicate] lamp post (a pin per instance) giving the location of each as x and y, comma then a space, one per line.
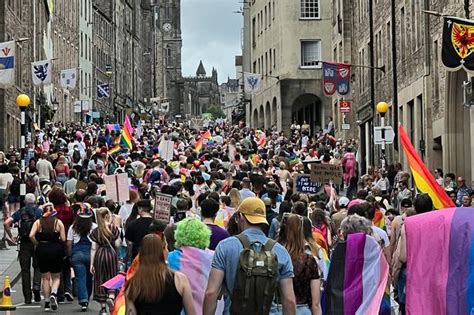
382, 109
23, 101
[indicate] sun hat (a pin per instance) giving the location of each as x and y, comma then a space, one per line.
254, 210
85, 211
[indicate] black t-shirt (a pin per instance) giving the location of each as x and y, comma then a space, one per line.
136, 232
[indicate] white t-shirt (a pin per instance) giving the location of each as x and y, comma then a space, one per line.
5, 179
74, 237
381, 235
44, 168
125, 211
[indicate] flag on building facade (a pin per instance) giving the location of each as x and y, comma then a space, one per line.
68, 78
458, 44
424, 180
252, 82
7, 64
336, 78
103, 91
42, 72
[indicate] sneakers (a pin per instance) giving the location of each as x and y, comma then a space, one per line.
37, 296
54, 302
68, 297
47, 307
84, 306
103, 311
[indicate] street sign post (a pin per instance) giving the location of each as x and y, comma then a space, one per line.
384, 135
346, 126
345, 106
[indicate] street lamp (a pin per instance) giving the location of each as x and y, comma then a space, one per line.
382, 109
23, 101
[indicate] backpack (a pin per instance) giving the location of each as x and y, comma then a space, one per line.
27, 218
15, 186
76, 156
256, 279
30, 184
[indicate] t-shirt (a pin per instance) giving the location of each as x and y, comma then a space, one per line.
381, 235
306, 270
226, 257
17, 215
74, 237
70, 186
125, 211
5, 179
136, 232
44, 168
217, 234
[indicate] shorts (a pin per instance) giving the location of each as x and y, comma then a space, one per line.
13, 199
50, 257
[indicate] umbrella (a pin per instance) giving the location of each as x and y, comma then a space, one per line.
115, 283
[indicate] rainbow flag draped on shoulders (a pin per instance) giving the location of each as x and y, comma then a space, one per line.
440, 262
357, 278
424, 180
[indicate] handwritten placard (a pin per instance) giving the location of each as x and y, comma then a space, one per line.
162, 210
325, 173
117, 187
303, 184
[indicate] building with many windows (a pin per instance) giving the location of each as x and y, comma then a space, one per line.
85, 83
284, 41
430, 99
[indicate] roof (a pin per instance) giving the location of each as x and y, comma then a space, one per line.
200, 70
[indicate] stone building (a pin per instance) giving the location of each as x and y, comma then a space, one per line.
201, 92
85, 84
430, 99
283, 41
232, 93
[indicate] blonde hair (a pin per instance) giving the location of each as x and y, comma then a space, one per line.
102, 224
235, 199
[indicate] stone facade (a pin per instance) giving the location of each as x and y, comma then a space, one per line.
286, 41
85, 83
429, 98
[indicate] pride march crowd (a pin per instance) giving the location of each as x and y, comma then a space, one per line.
238, 235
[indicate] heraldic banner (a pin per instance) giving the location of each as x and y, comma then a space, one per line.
336, 78
458, 44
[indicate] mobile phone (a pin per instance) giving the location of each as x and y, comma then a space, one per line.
179, 216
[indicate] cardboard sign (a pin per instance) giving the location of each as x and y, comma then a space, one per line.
162, 210
117, 187
303, 184
166, 149
325, 173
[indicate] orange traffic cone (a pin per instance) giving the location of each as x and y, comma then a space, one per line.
7, 296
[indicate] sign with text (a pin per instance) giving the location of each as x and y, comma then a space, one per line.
162, 209
345, 106
325, 173
303, 184
117, 188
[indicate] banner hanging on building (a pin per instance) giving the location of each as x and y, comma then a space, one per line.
103, 90
458, 44
68, 78
41, 72
336, 78
252, 82
7, 64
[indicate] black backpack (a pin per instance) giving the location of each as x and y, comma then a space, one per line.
15, 186
27, 218
30, 184
256, 279
76, 156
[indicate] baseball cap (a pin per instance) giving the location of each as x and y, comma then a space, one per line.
343, 202
253, 209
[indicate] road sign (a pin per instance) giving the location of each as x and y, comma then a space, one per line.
345, 106
346, 126
389, 135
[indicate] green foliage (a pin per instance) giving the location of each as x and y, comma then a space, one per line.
216, 111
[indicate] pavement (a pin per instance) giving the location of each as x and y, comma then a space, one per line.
9, 265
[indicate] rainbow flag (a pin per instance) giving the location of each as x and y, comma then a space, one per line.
127, 132
196, 265
261, 138
198, 146
424, 180
440, 262
113, 127
379, 219
357, 278
255, 159
120, 306
114, 150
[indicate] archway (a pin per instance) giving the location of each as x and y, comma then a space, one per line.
268, 116
255, 118
274, 112
307, 110
261, 118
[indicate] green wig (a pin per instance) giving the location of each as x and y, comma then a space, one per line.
192, 232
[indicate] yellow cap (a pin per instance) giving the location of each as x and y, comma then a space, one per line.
254, 211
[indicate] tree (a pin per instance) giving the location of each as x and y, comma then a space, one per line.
216, 111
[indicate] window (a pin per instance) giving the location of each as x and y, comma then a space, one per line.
274, 58
269, 14
266, 18
310, 53
309, 9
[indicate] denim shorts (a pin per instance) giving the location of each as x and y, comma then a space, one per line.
301, 309
13, 199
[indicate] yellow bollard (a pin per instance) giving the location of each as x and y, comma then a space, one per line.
7, 304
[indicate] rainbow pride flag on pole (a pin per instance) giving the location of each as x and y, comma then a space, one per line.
424, 180
114, 150
440, 262
357, 278
198, 146
127, 132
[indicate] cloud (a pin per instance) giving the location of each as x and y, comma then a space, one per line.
211, 33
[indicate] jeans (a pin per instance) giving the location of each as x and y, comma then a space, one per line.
301, 309
81, 261
26, 256
65, 278
62, 178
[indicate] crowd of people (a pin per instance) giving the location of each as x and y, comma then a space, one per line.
240, 237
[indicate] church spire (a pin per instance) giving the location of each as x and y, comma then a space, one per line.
201, 72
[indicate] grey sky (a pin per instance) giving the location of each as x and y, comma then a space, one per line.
211, 33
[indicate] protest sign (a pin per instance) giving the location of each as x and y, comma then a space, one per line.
117, 187
304, 184
166, 149
162, 210
325, 173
